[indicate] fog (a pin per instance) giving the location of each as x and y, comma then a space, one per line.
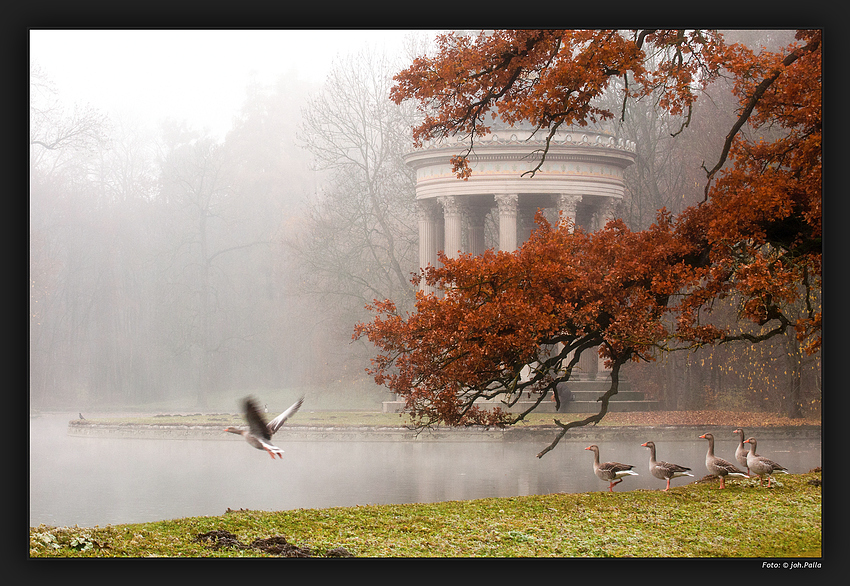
195, 218
91, 481
209, 215
197, 75
210, 211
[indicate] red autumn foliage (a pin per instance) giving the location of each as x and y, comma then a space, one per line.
755, 238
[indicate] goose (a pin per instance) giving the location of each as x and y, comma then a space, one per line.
612, 472
259, 432
719, 466
741, 451
762, 466
664, 470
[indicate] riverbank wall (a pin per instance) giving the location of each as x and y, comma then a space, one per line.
443, 434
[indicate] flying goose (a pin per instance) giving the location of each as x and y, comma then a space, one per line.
259, 433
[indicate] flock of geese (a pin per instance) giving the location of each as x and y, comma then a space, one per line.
258, 434
614, 472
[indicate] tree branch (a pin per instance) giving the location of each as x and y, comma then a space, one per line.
760, 90
596, 418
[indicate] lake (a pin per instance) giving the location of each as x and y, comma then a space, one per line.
90, 481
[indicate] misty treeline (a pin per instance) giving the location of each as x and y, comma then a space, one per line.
168, 265
670, 172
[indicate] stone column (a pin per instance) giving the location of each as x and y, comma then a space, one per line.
428, 215
507, 205
526, 223
588, 364
477, 215
567, 205
453, 219
604, 212
601, 371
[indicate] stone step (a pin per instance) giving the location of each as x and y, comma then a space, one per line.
620, 396
621, 402
613, 406
600, 385
581, 406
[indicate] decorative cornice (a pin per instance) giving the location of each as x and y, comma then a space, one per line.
506, 137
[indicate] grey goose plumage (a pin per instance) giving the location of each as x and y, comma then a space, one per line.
610, 472
741, 451
761, 466
664, 470
259, 433
718, 466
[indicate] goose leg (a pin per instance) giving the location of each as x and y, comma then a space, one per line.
668, 485
722, 482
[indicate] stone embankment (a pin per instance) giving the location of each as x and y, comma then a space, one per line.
382, 433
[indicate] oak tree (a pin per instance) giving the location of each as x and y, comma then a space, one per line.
510, 323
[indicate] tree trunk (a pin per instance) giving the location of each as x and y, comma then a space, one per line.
794, 402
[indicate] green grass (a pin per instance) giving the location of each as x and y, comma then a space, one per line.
695, 520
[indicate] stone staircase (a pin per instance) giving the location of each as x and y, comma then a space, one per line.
583, 399
584, 395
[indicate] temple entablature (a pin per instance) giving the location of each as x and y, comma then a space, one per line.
581, 177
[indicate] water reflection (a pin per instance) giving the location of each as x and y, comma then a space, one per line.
97, 481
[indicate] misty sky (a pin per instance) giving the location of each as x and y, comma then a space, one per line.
197, 75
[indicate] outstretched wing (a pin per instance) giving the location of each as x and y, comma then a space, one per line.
278, 421
255, 420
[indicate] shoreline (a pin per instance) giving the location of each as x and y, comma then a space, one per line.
400, 433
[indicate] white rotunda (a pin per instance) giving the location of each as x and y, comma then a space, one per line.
581, 178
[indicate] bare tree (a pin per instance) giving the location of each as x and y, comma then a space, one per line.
359, 242
196, 183
53, 129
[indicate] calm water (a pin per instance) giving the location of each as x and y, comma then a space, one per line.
99, 481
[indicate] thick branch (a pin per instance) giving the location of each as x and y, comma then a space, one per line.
750, 106
596, 418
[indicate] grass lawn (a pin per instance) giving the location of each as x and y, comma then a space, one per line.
695, 520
